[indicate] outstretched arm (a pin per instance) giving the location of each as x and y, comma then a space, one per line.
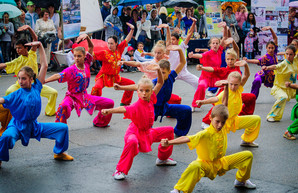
32, 33
197, 56
207, 101
160, 80
132, 87
129, 63
272, 67
182, 57
274, 36
225, 33
53, 78
246, 71
225, 96
168, 38
253, 61
130, 34
207, 69
177, 141
291, 85
113, 110
191, 30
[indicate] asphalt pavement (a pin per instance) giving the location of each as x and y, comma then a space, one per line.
96, 152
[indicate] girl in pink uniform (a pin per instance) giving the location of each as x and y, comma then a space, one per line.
77, 77
210, 58
140, 134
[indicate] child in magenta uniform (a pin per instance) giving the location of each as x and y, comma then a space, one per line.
78, 77
140, 134
210, 58
265, 76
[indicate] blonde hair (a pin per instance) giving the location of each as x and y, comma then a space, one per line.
81, 49
232, 52
238, 10
145, 80
160, 45
221, 111
163, 10
235, 74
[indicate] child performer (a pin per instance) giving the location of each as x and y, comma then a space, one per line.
211, 58
267, 76
292, 129
140, 134
251, 123
162, 108
29, 58
284, 72
248, 99
77, 77
211, 145
25, 106
109, 72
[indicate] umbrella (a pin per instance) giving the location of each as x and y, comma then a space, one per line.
181, 3
99, 45
11, 2
232, 3
293, 4
137, 2
46, 3
13, 11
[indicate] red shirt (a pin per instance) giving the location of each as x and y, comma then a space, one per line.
223, 73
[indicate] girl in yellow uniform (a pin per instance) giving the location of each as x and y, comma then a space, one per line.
286, 71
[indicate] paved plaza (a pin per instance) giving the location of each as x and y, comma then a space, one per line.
96, 152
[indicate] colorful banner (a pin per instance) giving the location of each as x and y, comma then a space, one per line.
272, 13
214, 17
71, 18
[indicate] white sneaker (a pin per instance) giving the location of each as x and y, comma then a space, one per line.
204, 125
193, 109
209, 94
175, 191
118, 175
249, 144
168, 162
247, 184
271, 119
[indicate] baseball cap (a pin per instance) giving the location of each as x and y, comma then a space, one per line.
130, 48
29, 3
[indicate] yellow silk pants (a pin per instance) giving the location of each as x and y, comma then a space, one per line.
200, 168
46, 91
251, 124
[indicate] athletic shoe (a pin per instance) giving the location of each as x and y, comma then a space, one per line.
193, 109
210, 94
289, 136
63, 156
246, 184
168, 162
271, 119
175, 191
249, 144
204, 125
118, 175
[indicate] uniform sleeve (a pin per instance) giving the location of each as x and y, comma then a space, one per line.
219, 72
10, 99
130, 111
65, 75
100, 56
279, 66
204, 58
154, 81
173, 75
183, 46
194, 140
220, 49
12, 66
220, 98
122, 46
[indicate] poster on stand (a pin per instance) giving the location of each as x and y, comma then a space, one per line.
213, 17
272, 13
71, 18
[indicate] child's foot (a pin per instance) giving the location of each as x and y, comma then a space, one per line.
63, 156
168, 162
246, 184
289, 136
249, 144
193, 109
204, 125
175, 191
118, 175
271, 119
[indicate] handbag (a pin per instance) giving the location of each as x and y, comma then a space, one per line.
234, 34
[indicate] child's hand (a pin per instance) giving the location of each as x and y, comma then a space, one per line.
143, 54
240, 63
36, 43
130, 25
105, 112
193, 19
245, 59
173, 48
116, 86
81, 37
197, 50
199, 103
190, 54
166, 56
221, 83
229, 41
266, 28
287, 84
264, 68
199, 67
153, 67
222, 24
163, 25
120, 63
164, 142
